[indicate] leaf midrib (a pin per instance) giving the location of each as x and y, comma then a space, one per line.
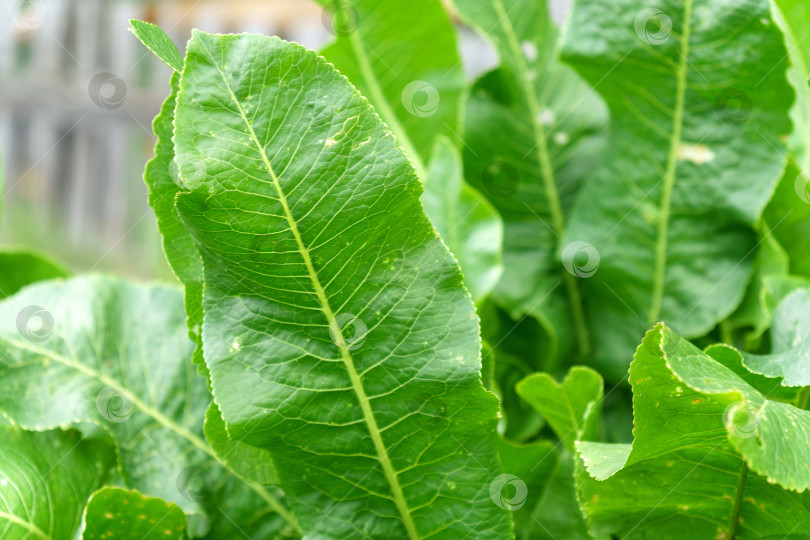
672, 164
348, 361
547, 173
30, 527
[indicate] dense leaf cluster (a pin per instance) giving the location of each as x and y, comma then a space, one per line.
403, 294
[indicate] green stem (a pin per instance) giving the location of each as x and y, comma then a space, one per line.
547, 172
725, 333
735, 512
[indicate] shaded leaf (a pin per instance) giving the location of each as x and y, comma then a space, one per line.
533, 131
164, 182
698, 119
96, 349
528, 469
464, 219
403, 57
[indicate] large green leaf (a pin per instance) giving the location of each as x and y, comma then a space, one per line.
532, 133
699, 115
19, 267
465, 220
699, 427
45, 481
336, 329
402, 56
127, 515
100, 350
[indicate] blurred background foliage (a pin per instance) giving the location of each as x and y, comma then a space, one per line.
77, 96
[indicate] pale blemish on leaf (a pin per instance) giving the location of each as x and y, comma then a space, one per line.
698, 154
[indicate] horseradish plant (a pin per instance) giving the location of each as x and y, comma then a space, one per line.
362, 276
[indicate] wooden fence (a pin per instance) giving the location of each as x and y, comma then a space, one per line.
77, 96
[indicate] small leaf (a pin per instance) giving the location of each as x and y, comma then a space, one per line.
20, 267
127, 515
572, 408
788, 211
158, 42
528, 470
